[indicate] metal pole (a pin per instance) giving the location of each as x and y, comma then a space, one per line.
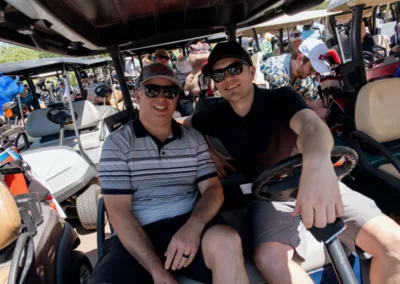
71, 108
94, 72
31, 85
397, 22
122, 83
21, 110
281, 41
355, 36
83, 91
231, 33
256, 40
340, 262
140, 60
340, 45
184, 51
374, 31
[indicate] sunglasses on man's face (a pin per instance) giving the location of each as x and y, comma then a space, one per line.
235, 68
295, 35
163, 57
154, 91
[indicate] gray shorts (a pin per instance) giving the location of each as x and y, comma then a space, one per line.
273, 221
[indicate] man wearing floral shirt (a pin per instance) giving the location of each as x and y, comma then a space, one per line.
295, 70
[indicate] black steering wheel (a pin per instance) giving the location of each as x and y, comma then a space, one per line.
103, 91
61, 116
280, 182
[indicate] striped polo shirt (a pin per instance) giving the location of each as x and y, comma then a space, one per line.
162, 177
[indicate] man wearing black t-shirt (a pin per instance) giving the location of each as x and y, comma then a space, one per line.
260, 128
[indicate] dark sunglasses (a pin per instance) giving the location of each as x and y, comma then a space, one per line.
154, 91
235, 68
295, 35
163, 57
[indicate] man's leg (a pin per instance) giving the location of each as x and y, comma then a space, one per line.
278, 237
374, 233
118, 266
222, 251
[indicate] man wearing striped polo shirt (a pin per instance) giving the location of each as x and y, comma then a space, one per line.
162, 195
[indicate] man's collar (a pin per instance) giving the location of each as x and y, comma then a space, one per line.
141, 132
286, 63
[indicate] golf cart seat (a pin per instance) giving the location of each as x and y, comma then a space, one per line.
90, 123
377, 138
12, 242
237, 219
383, 41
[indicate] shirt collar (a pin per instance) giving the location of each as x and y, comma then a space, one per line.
257, 105
286, 63
141, 132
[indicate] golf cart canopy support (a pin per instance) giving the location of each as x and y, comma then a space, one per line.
81, 28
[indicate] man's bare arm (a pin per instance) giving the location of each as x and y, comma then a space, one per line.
319, 200
130, 232
210, 202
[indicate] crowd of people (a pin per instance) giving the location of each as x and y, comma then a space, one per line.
161, 180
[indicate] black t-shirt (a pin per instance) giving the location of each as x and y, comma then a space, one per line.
260, 139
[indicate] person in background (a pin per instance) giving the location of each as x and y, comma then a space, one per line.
366, 39
186, 99
162, 56
298, 71
174, 60
295, 39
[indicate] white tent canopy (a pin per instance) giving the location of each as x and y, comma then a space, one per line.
345, 5
285, 22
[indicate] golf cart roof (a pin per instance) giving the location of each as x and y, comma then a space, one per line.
345, 5
285, 22
46, 65
81, 28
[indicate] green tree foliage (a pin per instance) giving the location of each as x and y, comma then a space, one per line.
322, 6
10, 53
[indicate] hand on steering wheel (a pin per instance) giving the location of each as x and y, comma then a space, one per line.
318, 197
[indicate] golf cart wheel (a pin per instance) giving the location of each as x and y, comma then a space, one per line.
81, 268
86, 206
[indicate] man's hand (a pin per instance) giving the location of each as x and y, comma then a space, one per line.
163, 277
185, 242
319, 200
221, 163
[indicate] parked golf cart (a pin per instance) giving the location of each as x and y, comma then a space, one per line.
67, 147
368, 96
82, 35
36, 244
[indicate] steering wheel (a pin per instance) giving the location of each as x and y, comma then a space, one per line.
103, 91
280, 182
60, 116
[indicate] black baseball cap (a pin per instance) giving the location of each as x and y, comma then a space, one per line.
83, 75
230, 49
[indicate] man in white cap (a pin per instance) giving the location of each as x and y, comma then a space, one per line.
162, 196
295, 70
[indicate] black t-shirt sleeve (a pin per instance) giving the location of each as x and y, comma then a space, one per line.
207, 121
289, 102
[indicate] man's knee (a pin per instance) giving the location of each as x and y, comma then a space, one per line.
273, 256
220, 240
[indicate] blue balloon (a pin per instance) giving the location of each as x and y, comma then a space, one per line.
9, 89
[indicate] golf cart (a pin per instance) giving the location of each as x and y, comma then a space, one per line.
89, 28
36, 244
362, 97
67, 147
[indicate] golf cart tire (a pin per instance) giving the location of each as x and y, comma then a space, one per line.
86, 207
81, 268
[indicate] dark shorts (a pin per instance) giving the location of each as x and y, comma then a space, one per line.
118, 266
